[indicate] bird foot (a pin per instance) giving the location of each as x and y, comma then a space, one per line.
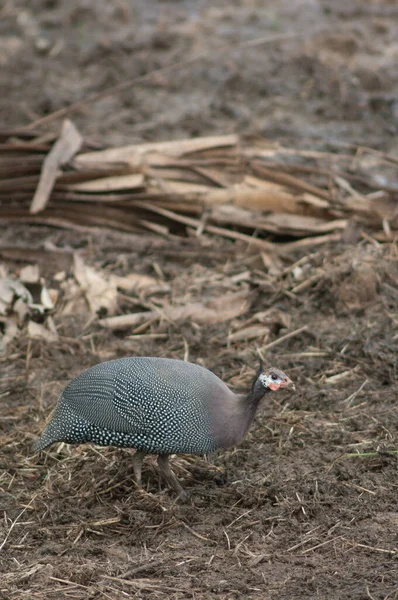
183, 497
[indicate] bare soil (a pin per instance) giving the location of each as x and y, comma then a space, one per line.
306, 506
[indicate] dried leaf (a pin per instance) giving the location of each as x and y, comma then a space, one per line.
40, 332
46, 299
215, 310
54, 295
313, 201
109, 184
99, 291
134, 282
137, 153
124, 322
9, 288
211, 312
300, 225
10, 332
21, 309
63, 150
30, 274
250, 333
183, 187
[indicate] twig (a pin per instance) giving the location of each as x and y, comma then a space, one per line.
190, 222
148, 566
369, 594
67, 582
120, 87
144, 584
238, 518
374, 548
299, 544
358, 487
318, 240
355, 394
11, 528
15, 522
228, 540
197, 535
307, 283
369, 454
289, 180
305, 355
68, 143
322, 544
283, 338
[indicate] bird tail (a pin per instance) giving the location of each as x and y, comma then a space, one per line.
45, 440
59, 428
53, 432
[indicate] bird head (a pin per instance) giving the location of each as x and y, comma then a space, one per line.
274, 379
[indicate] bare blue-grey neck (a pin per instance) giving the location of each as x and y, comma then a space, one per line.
257, 392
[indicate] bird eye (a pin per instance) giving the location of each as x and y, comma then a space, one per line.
274, 377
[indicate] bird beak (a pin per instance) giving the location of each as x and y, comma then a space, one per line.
288, 383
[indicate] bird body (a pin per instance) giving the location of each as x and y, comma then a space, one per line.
156, 405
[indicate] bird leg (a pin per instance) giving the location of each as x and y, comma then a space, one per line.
137, 464
163, 462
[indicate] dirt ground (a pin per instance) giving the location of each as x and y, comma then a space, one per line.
306, 506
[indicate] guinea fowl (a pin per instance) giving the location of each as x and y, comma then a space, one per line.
156, 405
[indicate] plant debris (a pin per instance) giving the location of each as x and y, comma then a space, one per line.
239, 188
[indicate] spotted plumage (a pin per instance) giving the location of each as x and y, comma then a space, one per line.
156, 405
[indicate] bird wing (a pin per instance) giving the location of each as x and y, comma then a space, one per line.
93, 396
145, 404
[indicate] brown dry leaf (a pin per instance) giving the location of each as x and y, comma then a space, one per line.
21, 309
134, 282
338, 377
273, 316
250, 333
30, 274
109, 184
258, 194
184, 187
9, 288
74, 299
99, 291
215, 310
300, 225
266, 197
229, 214
225, 232
10, 325
272, 263
6, 295
124, 322
41, 332
157, 152
60, 276
280, 223
291, 181
174, 174
373, 205
68, 143
313, 201
54, 295
45, 299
